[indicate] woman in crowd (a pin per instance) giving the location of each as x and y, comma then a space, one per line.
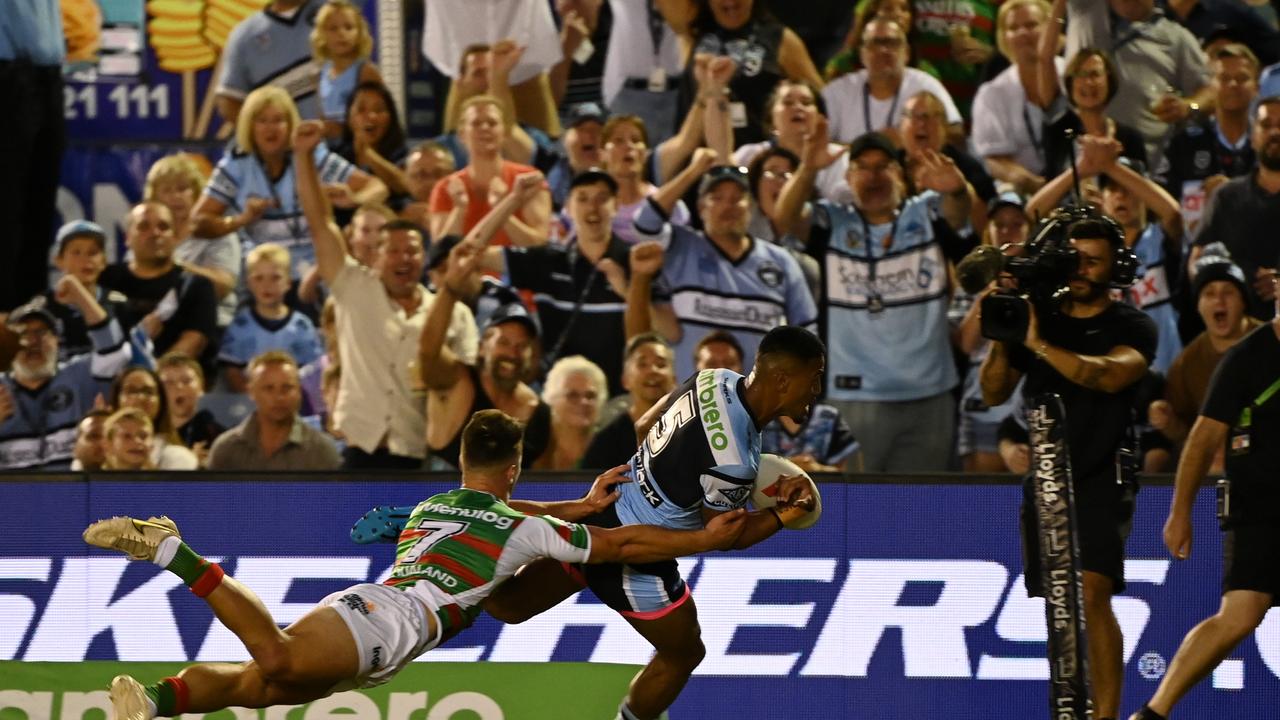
139, 387
794, 109
1090, 81
576, 390
373, 140
255, 182
626, 155
176, 182
1008, 113
767, 174
764, 50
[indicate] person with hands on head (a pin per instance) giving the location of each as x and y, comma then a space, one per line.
698, 460
41, 400
891, 367
382, 312
721, 272
1240, 417
1092, 352
361, 636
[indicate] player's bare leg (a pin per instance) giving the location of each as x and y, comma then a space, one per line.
1106, 645
1208, 644
677, 638
533, 590
299, 664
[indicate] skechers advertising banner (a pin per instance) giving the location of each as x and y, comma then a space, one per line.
904, 601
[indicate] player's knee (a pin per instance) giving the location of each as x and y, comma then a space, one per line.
687, 656
274, 662
1236, 624
508, 613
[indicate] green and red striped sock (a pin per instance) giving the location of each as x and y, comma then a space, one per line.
170, 695
202, 576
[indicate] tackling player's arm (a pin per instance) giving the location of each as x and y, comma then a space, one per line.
603, 493
650, 543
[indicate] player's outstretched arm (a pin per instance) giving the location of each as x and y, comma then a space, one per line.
603, 493
649, 543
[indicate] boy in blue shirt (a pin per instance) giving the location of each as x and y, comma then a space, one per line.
267, 323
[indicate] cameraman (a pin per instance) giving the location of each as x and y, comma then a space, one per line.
1241, 416
1091, 353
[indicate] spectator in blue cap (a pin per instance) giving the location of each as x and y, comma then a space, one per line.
81, 254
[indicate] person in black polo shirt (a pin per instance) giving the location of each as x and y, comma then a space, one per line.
580, 288
1241, 414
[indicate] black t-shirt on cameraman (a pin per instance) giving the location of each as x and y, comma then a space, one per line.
1097, 421
1244, 374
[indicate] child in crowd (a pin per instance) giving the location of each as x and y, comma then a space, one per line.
267, 323
81, 254
341, 43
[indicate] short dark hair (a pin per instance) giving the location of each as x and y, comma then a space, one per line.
181, 359
491, 438
720, 336
639, 341
409, 225
755, 169
794, 341
1108, 68
1095, 229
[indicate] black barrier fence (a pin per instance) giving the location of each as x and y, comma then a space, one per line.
573, 476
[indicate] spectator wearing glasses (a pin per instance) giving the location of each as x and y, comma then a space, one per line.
1161, 76
140, 387
890, 371
720, 278
41, 400
874, 98
922, 133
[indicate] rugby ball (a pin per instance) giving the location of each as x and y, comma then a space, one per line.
773, 467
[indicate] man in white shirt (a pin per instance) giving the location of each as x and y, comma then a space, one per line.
873, 97
381, 312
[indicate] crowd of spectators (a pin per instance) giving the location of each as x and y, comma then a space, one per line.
627, 192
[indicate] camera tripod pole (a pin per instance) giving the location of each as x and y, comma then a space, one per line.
1060, 577
1075, 173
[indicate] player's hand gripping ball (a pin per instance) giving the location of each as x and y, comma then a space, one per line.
764, 494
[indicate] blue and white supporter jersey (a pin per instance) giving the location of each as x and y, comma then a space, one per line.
887, 297
1152, 293
704, 451
41, 432
748, 297
240, 176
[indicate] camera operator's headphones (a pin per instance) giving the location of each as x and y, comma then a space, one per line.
1124, 263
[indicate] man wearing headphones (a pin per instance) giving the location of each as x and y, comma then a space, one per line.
1091, 352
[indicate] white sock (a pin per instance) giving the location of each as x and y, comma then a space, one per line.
151, 707
164, 555
624, 713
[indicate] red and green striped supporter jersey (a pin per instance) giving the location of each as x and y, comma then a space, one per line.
457, 546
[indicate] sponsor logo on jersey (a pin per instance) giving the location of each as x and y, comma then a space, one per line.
356, 603
707, 400
647, 490
914, 276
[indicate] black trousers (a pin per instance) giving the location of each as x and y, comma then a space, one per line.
32, 139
